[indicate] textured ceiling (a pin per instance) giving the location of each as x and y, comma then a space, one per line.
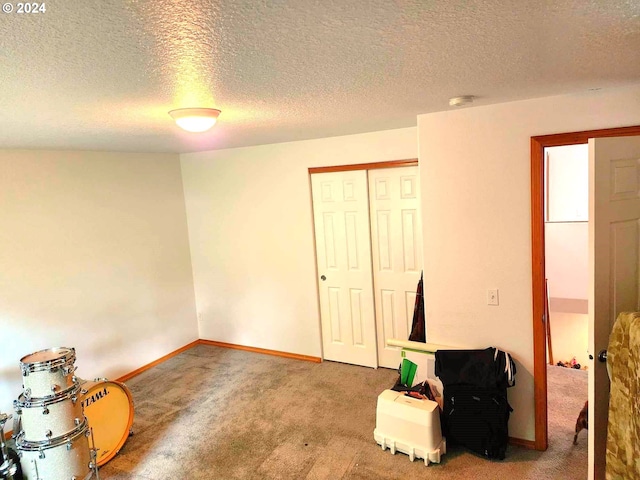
102, 75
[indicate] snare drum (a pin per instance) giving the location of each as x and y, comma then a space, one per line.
46, 419
108, 406
48, 372
66, 458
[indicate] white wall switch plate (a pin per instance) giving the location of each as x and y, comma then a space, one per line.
492, 297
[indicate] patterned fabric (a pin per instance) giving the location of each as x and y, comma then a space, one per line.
623, 433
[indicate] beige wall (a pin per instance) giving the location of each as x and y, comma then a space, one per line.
251, 232
570, 337
94, 255
475, 177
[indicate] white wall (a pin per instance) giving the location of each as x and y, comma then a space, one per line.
94, 255
567, 183
475, 177
566, 229
567, 261
251, 232
570, 337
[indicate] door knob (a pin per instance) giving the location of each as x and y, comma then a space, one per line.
323, 278
602, 356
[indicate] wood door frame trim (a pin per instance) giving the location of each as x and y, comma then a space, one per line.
538, 144
408, 162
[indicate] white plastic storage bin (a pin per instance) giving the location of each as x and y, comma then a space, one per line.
410, 426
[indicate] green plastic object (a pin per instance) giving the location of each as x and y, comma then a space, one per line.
407, 372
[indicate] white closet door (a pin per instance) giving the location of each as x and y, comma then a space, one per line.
397, 254
343, 249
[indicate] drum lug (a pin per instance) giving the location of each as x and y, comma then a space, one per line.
84, 391
27, 393
69, 445
41, 454
25, 370
48, 433
74, 399
45, 411
77, 421
70, 369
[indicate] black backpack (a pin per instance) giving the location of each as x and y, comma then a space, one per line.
476, 411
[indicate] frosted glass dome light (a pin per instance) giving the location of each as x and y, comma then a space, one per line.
195, 119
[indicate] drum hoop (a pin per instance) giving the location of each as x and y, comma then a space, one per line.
131, 412
68, 357
53, 395
45, 401
35, 446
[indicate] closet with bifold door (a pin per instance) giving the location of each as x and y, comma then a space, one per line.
369, 260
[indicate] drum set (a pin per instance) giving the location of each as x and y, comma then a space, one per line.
65, 427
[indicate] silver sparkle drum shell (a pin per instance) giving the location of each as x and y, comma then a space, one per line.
48, 373
67, 458
49, 419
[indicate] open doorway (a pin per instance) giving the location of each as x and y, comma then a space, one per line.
566, 246
566, 253
538, 145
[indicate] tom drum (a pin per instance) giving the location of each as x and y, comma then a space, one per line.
46, 419
48, 373
108, 406
67, 457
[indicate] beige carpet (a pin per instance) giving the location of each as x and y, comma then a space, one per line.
214, 413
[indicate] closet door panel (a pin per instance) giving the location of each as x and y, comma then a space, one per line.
397, 254
343, 255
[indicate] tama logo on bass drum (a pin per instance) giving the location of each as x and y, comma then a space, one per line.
95, 397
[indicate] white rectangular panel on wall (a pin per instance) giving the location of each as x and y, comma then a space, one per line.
343, 250
396, 243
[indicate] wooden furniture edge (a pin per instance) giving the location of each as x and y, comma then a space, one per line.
409, 162
277, 353
521, 442
146, 367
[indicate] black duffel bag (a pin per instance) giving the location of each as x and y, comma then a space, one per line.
477, 418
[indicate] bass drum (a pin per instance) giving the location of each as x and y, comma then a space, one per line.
108, 407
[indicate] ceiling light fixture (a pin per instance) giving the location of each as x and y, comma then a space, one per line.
461, 101
195, 119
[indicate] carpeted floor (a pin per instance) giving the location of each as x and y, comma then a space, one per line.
214, 413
